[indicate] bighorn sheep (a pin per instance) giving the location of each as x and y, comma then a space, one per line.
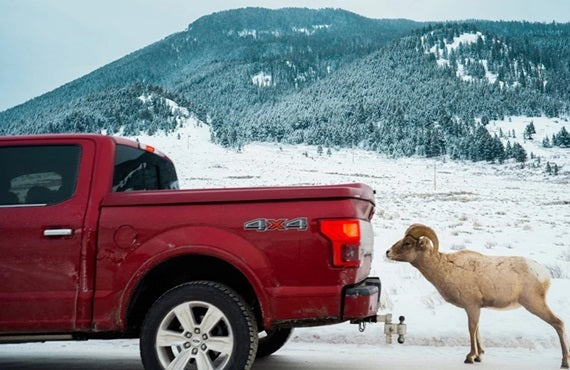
472, 281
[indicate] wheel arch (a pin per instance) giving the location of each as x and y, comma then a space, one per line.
184, 268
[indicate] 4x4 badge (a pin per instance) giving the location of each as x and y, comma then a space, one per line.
280, 224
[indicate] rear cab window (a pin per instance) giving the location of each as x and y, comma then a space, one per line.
137, 169
38, 174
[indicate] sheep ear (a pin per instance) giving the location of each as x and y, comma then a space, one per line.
422, 242
425, 243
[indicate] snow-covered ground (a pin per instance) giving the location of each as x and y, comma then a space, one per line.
545, 128
493, 209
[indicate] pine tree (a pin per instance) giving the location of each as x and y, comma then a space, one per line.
548, 168
562, 138
508, 150
529, 131
498, 149
519, 154
546, 143
555, 170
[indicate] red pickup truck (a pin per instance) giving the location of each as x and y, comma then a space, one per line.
96, 241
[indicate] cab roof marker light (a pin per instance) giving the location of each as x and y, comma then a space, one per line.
151, 149
147, 148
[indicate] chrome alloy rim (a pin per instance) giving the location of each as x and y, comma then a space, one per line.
194, 335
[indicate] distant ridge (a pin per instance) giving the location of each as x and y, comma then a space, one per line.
327, 77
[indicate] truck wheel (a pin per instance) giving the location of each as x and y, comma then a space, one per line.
199, 325
272, 341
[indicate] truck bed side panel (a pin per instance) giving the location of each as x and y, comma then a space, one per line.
292, 266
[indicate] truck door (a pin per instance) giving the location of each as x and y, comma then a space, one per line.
44, 190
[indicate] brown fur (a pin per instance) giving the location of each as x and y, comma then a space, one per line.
472, 281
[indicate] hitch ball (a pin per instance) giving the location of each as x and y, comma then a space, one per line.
401, 330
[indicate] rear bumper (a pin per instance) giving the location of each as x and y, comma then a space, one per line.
361, 301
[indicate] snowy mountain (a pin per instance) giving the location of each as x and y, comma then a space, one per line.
213, 64
475, 56
324, 77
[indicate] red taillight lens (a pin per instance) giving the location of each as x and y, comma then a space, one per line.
345, 238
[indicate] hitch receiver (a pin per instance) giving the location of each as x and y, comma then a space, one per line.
390, 328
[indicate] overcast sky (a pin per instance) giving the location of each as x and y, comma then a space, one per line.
46, 43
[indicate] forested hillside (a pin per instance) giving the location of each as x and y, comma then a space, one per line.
428, 93
326, 77
214, 62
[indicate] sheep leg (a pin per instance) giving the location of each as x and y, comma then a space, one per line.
480, 350
473, 314
540, 309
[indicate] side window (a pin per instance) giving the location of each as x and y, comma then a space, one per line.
136, 169
39, 175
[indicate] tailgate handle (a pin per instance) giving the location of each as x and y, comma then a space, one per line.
58, 232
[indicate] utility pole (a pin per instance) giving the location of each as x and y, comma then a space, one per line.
434, 177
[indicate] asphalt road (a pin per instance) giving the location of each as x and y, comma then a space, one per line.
123, 355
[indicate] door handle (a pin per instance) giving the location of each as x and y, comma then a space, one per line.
58, 232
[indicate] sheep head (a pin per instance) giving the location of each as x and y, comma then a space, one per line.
414, 243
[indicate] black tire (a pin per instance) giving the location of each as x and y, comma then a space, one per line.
272, 341
197, 322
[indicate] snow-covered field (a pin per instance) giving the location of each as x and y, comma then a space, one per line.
493, 209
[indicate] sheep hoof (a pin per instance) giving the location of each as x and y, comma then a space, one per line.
478, 359
564, 366
468, 360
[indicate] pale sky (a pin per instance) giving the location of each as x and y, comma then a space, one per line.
47, 43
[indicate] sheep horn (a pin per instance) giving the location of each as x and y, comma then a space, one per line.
418, 230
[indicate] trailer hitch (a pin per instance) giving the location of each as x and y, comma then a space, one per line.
390, 328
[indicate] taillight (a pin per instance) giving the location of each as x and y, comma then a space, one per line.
345, 237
